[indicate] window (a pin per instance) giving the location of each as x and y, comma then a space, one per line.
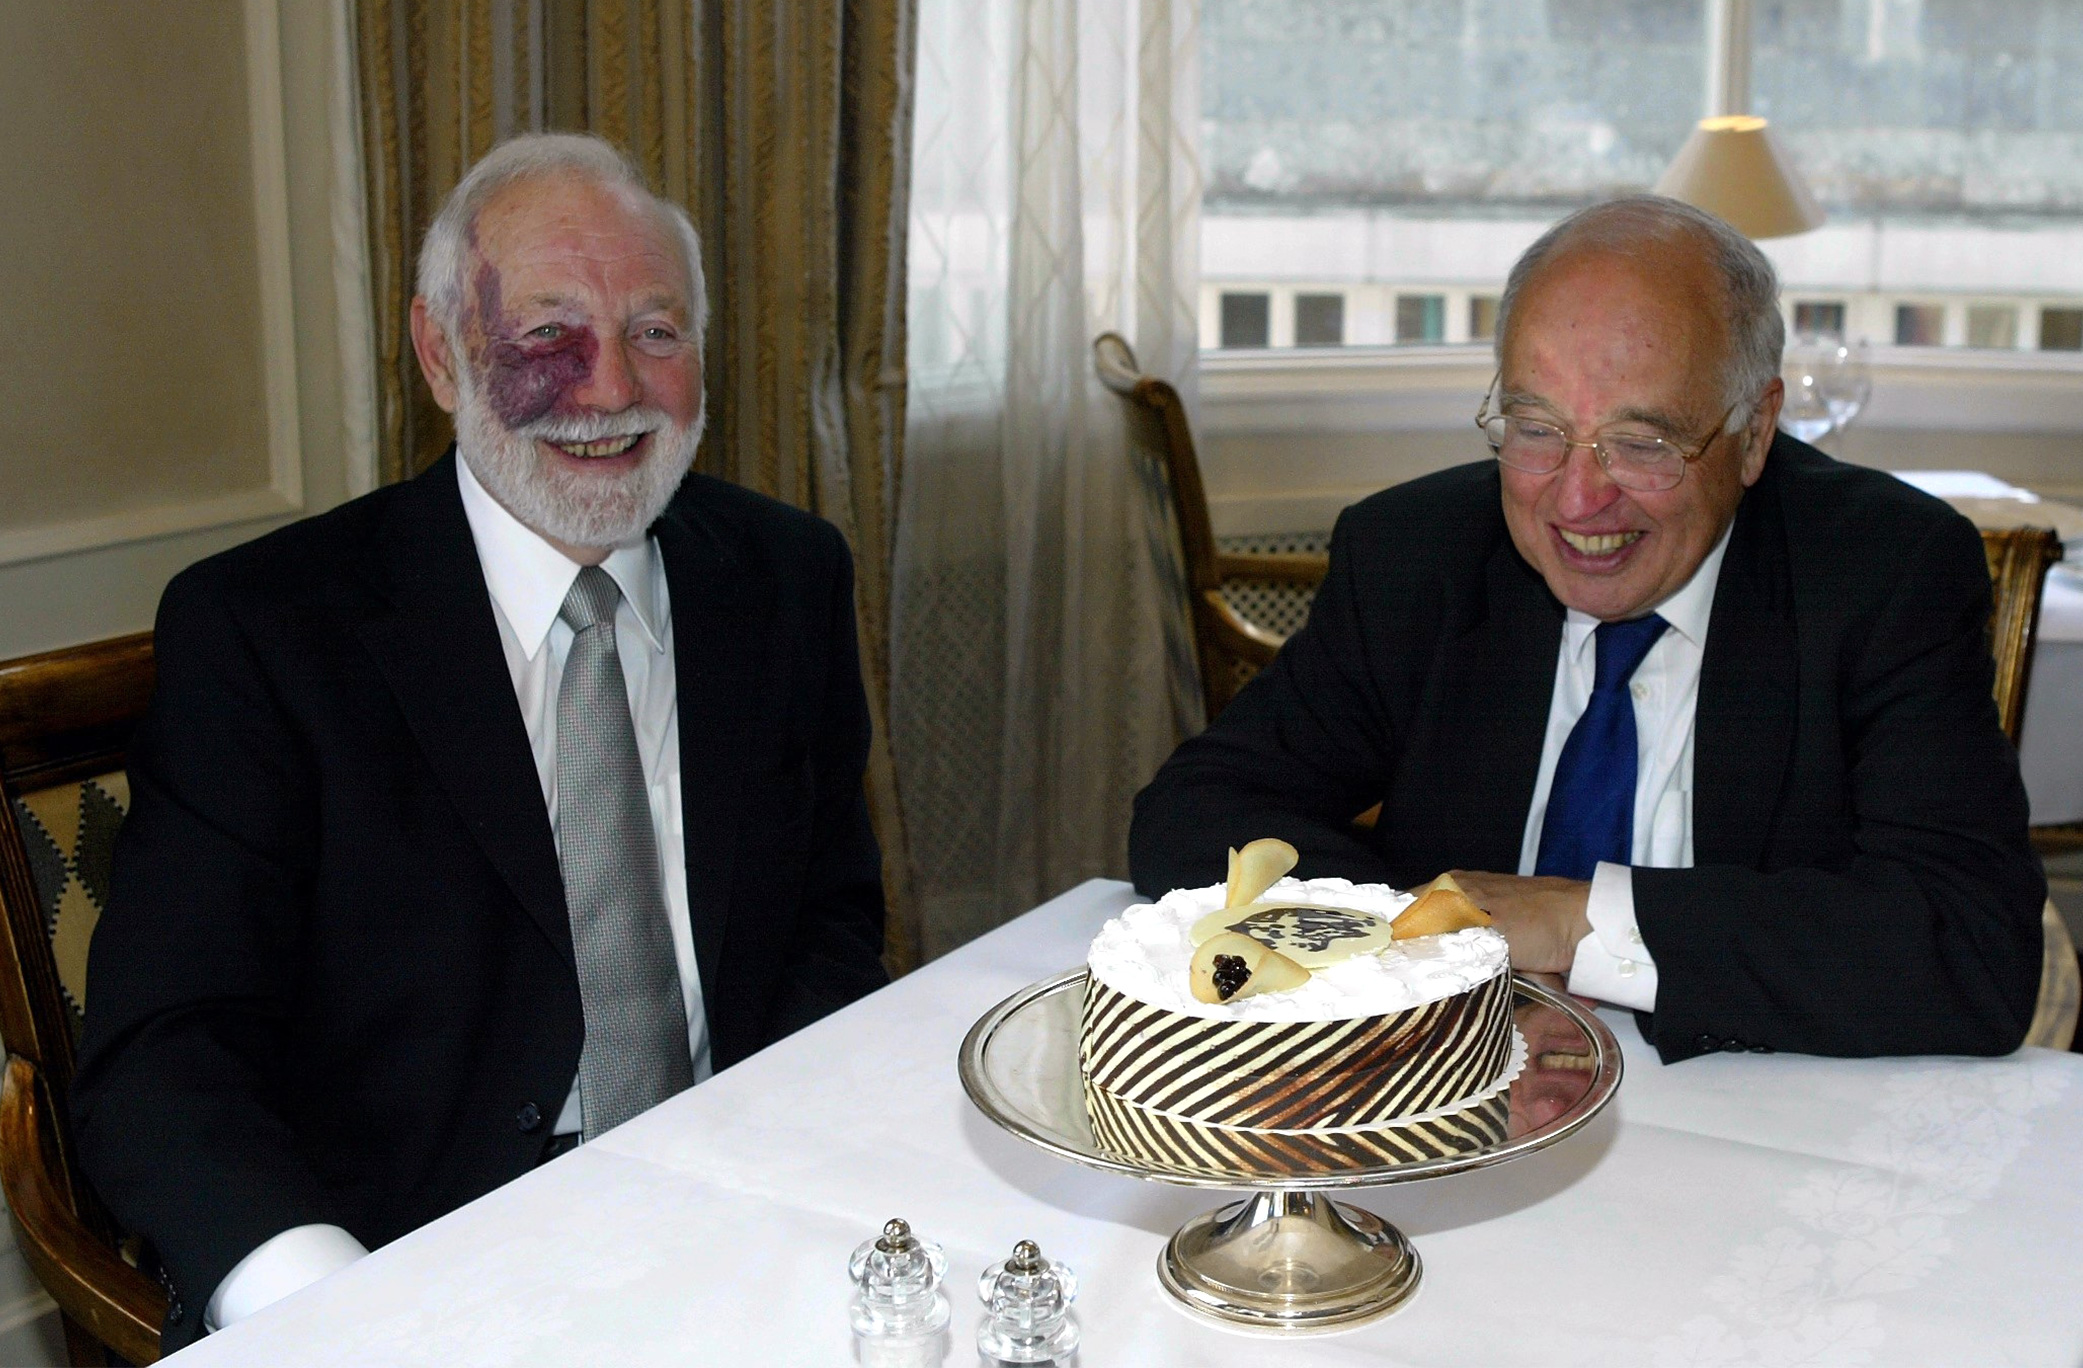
1319, 320
1421, 318
1920, 325
1419, 146
1994, 326
1482, 317
1818, 318
2061, 330
1247, 320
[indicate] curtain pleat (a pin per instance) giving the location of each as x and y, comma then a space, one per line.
785, 132
1042, 658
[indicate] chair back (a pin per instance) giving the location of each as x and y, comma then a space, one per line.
1228, 646
66, 719
2018, 560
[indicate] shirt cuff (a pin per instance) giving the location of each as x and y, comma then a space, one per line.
1612, 963
290, 1262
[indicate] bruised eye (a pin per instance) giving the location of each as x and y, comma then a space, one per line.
548, 332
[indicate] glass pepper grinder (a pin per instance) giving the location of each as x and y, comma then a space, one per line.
1027, 1317
899, 1311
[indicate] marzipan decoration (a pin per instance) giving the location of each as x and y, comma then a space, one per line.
1256, 868
1442, 908
1230, 966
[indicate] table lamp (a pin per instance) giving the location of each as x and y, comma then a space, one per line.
1734, 167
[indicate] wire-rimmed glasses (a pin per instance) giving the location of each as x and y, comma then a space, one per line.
1633, 460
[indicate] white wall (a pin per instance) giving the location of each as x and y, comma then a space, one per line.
179, 391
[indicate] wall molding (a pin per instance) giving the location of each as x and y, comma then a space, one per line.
283, 494
351, 272
142, 524
265, 116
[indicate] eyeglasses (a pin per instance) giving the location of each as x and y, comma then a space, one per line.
1634, 460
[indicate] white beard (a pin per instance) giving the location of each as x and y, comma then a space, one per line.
575, 507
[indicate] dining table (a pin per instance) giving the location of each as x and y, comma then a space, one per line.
1735, 1208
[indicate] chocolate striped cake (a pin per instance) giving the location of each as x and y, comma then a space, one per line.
1392, 1054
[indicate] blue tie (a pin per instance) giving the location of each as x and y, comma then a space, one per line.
1591, 807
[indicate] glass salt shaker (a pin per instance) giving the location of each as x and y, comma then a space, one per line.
1027, 1316
899, 1312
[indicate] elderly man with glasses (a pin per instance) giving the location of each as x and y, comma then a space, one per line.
1701, 716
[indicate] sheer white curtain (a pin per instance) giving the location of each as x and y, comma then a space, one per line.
1040, 668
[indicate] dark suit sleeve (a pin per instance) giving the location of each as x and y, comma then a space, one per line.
176, 1107
1925, 937
837, 954
1298, 754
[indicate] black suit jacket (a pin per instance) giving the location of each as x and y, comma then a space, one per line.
1862, 880
335, 980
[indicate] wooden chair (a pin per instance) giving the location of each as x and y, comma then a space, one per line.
2018, 560
65, 721
1230, 647
2020, 557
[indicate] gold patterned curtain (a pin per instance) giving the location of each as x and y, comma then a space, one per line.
785, 131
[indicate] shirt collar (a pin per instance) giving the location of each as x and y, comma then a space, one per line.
529, 578
1688, 610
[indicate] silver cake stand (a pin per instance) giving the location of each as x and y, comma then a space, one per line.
1286, 1260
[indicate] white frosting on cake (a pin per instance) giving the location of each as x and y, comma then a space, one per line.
1145, 952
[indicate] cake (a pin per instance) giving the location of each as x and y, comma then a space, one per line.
1398, 1051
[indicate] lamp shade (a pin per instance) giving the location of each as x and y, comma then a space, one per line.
1734, 167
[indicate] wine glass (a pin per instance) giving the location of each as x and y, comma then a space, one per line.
1843, 382
1806, 413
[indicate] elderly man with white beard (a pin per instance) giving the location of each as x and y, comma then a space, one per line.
478, 815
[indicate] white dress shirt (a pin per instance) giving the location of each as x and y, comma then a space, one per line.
528, 579
1612, 963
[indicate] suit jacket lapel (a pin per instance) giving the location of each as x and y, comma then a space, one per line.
438, 647
715, 619
1497, 682
1749, 688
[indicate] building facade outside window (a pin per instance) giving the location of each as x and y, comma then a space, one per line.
1400, 156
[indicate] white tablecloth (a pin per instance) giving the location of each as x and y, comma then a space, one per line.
1735, 1209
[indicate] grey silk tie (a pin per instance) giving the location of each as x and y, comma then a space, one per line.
635, 1054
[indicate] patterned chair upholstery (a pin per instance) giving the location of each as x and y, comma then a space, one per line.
68, 832
65, 720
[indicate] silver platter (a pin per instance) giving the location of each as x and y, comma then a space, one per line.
1284, 1261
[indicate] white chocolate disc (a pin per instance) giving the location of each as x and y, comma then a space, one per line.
1312, 937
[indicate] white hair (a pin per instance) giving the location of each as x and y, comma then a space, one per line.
1750, 287
441, 257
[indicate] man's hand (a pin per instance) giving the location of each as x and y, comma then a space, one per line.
1542, 918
